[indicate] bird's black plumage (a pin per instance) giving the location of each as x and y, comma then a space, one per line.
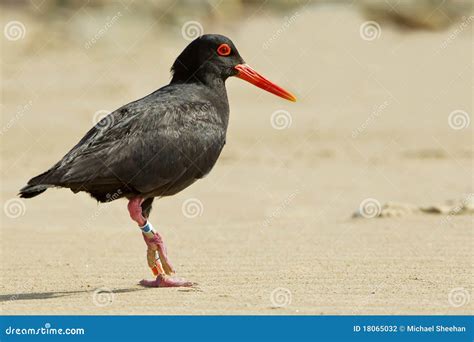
160, 144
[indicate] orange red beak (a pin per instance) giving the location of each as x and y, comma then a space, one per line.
250, 75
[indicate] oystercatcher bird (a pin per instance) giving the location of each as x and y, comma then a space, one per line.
160, 144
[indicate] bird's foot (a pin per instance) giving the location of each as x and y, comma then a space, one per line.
166, 281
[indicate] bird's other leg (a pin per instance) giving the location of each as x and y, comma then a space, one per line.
146, 207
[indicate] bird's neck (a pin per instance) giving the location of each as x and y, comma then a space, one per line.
210, 80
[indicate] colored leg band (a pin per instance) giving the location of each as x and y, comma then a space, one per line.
147, 228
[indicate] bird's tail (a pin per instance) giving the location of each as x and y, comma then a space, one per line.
35, 186
29, 191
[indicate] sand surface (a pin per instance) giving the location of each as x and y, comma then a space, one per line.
274, 232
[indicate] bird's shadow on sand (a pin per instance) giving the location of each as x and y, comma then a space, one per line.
57, 294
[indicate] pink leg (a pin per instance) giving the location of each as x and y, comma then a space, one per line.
155, 244
135, 210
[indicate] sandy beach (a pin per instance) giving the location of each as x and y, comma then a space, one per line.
270, 230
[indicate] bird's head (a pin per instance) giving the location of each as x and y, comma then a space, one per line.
213, 57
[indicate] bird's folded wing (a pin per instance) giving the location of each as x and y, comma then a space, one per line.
136, 148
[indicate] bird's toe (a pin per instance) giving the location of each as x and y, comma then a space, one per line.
166, 281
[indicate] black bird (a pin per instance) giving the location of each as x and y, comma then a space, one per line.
160, 144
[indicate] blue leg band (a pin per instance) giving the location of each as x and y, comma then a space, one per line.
147, 228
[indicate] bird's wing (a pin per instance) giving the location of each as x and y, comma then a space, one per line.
147, 144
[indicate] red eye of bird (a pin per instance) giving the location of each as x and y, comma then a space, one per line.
223, 50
